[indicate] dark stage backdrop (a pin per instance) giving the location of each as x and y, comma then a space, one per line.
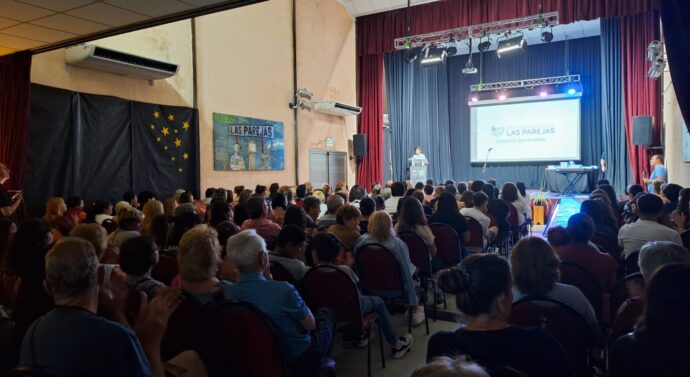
428, 107
98, 147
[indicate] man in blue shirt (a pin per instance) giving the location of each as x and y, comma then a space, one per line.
659, 173
304, 341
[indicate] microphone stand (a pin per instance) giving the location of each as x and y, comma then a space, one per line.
486, 160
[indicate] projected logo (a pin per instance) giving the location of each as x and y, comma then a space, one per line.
497, 132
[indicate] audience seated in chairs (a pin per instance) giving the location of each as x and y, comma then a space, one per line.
535, 272
324, 252
279, 205
632, 236
661, 343
397, 193
484, 294
367, 206
290, 251
510, 193
381, 231
479, 211
449, 214
257, 209
138, 256
72, 340
182, 223
594, 210
681, 215
411, 217
347, 226
304, 340
108, 257
129, 221
333, 203
581, 252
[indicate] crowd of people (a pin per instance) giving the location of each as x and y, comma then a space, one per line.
101, 289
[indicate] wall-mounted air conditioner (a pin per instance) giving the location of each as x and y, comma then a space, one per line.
118, 63
336, 108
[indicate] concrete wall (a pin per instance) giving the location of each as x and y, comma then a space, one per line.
170, 42
678, 170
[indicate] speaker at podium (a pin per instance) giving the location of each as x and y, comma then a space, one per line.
418, 166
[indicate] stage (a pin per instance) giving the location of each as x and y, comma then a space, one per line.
559, 209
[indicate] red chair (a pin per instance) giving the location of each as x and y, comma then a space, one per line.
251, 347
476, 242
380, 275
620, 292
280, 273
329, 287
447, 241
574, 274
109, 225
562, 321
685, 236
420, 257
608, 245
166, 269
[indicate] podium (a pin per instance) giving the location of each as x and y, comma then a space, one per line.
418, 168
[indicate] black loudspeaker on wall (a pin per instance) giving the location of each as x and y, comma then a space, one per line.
359, 145
642, 130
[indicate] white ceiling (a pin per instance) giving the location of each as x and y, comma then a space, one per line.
358, 8
576, 30
31, 24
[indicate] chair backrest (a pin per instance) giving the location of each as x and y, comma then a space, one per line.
109, 225
251, 347
280, 273
582, 278
476, 233
329, 287
378, 270
626, 317
559, 319
419, 252
447, 243
607, 245
512, 214
630, 265
166, 269
620, 292
685, 236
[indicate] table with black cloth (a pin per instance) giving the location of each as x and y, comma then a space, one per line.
558, 179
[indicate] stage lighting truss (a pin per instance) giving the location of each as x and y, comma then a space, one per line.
477, 31
526, 84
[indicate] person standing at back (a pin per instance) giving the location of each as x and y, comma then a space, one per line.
659, 173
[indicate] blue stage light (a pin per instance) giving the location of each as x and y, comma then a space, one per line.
571, 91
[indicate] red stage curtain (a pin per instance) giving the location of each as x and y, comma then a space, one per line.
371, 119
640, 93
15, 85
376, 33
675, 15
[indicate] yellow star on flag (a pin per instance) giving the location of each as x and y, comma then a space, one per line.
165, 147
185, 156
185, 125
172, 158
165, 131
175, 130
156, 114
180, 170
171, 117
158, 139
153, 127
178, 142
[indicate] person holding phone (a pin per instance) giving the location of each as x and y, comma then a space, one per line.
8, 204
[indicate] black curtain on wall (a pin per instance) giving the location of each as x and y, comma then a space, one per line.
428, 106
615, 147
98, 147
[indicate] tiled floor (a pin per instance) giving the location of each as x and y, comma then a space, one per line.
353, 361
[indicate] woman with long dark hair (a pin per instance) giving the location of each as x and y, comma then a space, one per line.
681, 216
412, 218
449, 214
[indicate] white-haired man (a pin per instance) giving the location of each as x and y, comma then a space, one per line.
303, 340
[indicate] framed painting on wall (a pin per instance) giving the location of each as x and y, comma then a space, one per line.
247, 144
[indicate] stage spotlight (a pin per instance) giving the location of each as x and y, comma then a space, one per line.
450, 48
571, 91
502, 97
512, 44
475, 99
434, 56
543, 94
484, 46
546, 36
410, 55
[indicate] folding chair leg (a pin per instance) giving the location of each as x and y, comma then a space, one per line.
409, 321
433, 289
383, 357
426, 318
369, 352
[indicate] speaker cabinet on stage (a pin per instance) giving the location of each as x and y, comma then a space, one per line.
359, 145
642, 130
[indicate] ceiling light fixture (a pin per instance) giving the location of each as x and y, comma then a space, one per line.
511, 45
484, 46
433, 56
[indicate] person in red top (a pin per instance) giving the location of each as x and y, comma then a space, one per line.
257, 209
75, 209
580, 251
